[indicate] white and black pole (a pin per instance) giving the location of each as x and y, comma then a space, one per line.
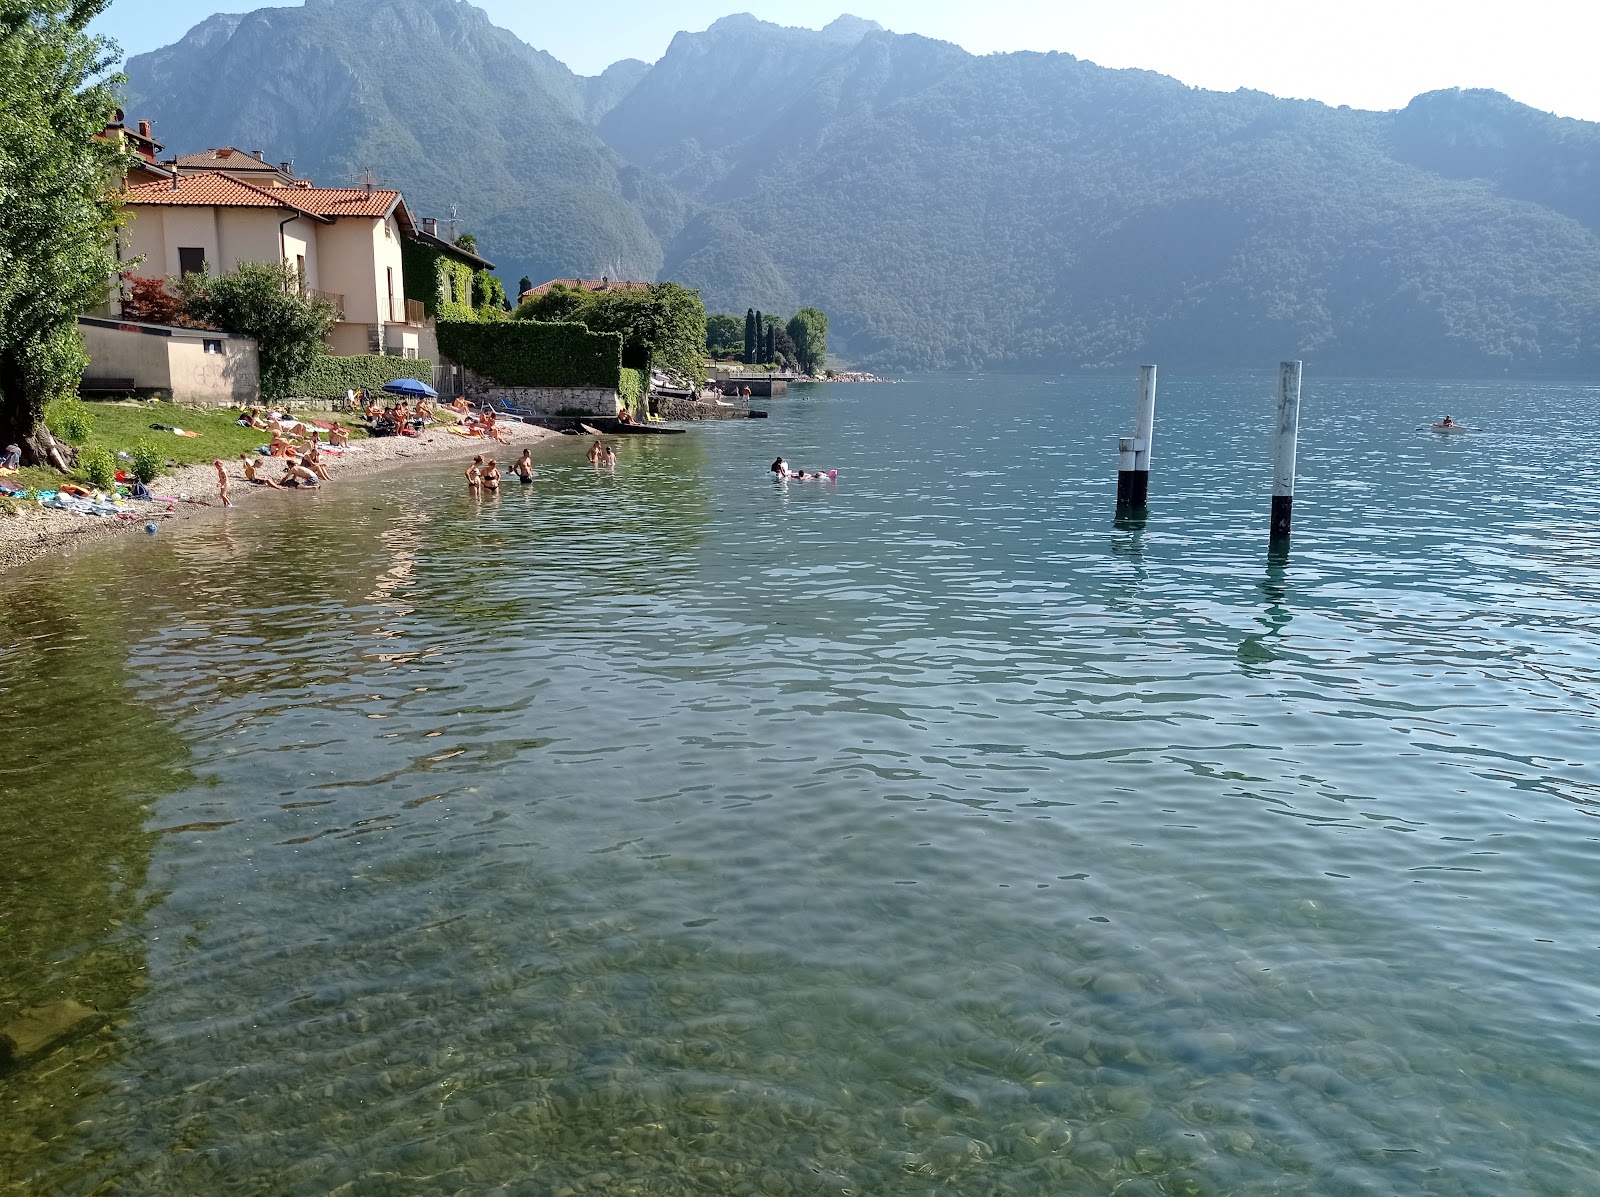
1133, 470
1283, 449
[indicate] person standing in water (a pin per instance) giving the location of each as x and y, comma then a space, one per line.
780, 468
222, 483
596, 452
475, 474
523, 468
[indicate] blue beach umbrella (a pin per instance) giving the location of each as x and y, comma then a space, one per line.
411, 387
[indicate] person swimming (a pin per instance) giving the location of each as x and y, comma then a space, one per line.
780, 468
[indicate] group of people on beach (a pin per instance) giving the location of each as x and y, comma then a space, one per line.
483, 477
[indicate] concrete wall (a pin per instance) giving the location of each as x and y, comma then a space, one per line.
175, 362
118, 354
230, 378
546, 401
345, 251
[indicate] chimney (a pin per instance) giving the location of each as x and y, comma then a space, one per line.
144, 130
430, 225
260, 155
176, 177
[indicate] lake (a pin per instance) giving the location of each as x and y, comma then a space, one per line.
676, 831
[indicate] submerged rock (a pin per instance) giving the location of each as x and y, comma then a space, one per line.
42, 1029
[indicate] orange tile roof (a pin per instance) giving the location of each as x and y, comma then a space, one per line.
227, 158
222, 190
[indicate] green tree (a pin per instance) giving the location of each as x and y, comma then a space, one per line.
467, 242
662, 326
263, 300
558, 305
808, 329
749, 336
766, 353
58, 217
722, 334
761, 339
783, 347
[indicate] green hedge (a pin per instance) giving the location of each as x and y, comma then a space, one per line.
530, 353
633, 386
330, 377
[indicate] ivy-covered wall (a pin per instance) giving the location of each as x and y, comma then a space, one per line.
330, 377
443, 284
632, 386
529, 353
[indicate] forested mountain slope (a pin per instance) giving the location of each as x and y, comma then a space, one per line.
945, 209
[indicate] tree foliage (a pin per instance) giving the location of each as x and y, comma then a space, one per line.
262, 300
724, 335
148, 300
58, 218
808, 331
662, 326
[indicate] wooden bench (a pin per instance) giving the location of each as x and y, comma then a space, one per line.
105, 386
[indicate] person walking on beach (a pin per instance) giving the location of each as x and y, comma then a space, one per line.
222, 483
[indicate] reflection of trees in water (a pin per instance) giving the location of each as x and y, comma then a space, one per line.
83, 758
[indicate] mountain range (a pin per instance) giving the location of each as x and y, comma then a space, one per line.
945, 209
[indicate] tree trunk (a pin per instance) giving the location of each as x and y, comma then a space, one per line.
17, 417
40, 448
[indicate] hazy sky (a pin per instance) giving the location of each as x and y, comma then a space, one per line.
1365, 53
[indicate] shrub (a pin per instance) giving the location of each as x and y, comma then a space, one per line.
70, 419
330, 377
632, 387
147, 461
528, 353
98, 466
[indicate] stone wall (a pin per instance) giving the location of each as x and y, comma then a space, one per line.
690, 409
545, 401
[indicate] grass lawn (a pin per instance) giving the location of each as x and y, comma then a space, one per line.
119, 425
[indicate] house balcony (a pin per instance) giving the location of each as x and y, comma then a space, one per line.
407, 311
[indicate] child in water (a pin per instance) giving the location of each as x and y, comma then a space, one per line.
222, 483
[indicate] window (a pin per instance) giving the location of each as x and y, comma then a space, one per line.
409, 352
191, 260
213, 346
300, 269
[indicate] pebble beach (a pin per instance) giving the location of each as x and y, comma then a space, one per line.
36, 530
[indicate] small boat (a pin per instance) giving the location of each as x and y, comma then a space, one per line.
1448, 428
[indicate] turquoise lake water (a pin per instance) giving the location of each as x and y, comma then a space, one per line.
675, 831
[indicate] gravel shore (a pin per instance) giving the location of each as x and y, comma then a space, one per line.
38, 530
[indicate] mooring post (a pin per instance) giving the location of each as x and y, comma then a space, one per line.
1283, 449
1133, 473
1125, 460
